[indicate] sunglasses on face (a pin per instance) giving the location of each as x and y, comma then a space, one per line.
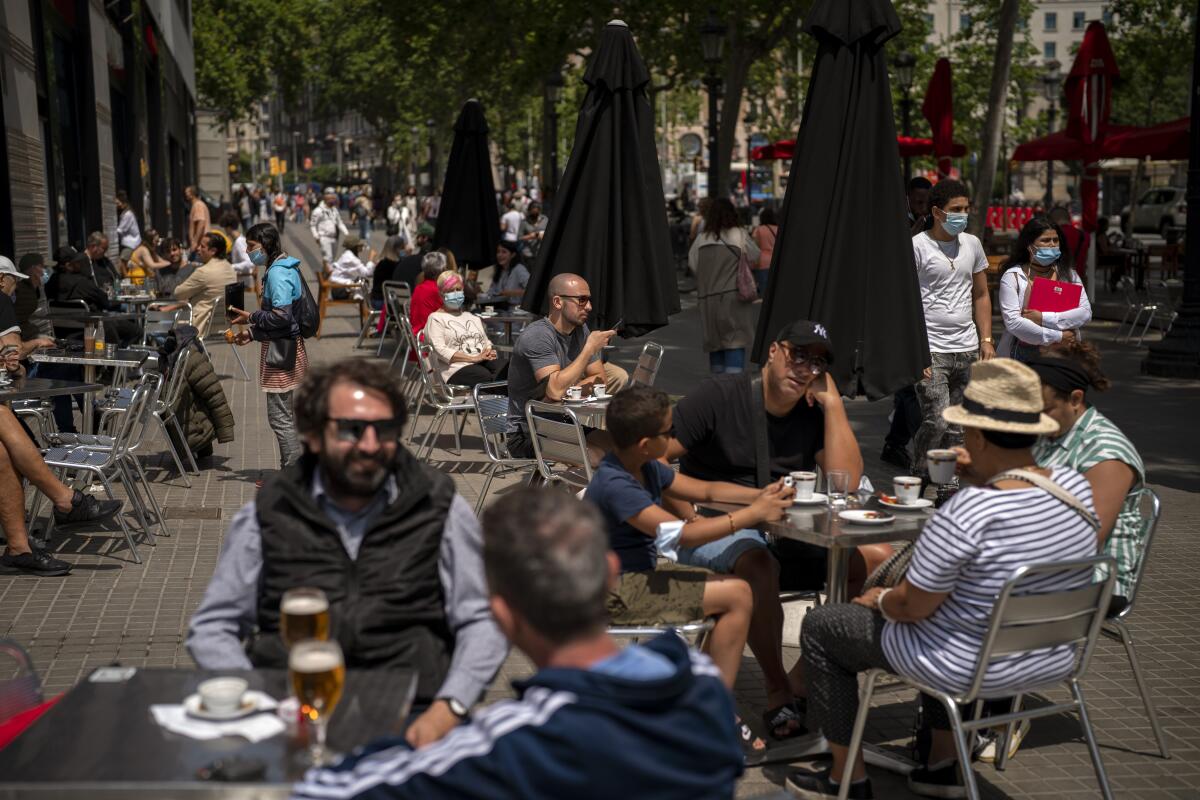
352, 430
580, 299
804, 362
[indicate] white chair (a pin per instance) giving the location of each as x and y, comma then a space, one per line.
1021, 621
447, 401
1115, 627
646, 371
491, 411
559, 444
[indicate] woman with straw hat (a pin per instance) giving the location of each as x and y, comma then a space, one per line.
930, 627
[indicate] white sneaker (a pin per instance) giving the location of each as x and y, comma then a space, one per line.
988, 753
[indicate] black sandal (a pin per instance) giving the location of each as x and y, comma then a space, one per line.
753, 756
782, 717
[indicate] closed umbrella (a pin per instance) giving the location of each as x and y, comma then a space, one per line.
609, 222
844, 255
938, 108
467, 222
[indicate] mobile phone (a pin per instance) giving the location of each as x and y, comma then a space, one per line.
617, 327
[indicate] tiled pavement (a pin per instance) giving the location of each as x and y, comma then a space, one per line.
112, 610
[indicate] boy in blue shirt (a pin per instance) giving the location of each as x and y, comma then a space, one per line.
629, 486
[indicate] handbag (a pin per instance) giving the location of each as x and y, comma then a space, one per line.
747, 289
281, 354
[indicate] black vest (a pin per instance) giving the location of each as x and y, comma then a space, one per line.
387, 607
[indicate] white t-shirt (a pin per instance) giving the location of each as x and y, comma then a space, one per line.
945, 271
512, 225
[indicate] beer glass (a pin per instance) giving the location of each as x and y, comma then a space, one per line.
303, 614
318, 675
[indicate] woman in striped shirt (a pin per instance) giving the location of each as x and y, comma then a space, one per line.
931, 627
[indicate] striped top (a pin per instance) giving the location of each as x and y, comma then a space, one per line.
1094, 439
970, 547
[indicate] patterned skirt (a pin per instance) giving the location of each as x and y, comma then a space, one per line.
274, 380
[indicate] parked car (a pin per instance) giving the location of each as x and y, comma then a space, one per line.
1160, 209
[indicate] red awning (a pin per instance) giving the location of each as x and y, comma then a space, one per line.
909, 146
1170, 140
784, 148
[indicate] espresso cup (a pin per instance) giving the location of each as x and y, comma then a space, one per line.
805, 484
574, 393
599, 390
222, 695
941, 464
907, 488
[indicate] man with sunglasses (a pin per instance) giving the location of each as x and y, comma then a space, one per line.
792, 407
553, 354
395, 549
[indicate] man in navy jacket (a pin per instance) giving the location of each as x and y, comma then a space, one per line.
596, 721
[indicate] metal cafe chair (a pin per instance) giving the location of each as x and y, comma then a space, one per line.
396, 295
1115, 627
646, 371
694, 633
1021, 621
446, 399
559, 444
491, 411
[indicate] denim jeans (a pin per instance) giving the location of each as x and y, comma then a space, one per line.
720, 361
943, 388
282, 421
760, 280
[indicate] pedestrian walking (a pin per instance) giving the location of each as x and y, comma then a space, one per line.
727, 321
764, 236
280, 205
361, 214
129, 238
326, 224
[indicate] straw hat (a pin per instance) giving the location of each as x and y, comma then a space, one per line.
1002, 395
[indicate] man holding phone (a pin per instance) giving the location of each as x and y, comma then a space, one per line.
553, 354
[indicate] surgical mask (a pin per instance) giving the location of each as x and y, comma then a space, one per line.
258, 258
1046, 255
455, 299
45, 277
955, 224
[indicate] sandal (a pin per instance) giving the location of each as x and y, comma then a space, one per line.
754, 749
788, 718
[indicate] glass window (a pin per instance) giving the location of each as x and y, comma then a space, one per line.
1078, 20
1106, 16
964, 21
1049, 50
1051, 21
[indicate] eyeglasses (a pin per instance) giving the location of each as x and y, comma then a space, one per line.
580, 299
352, 430
803, 361
669, 432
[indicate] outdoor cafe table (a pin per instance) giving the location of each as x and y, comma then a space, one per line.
38, 388
139, 303
592, 413
508, 319
89, 362
101, 742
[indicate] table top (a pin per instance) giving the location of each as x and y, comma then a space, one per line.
123, 358
137, 298
508, 317
100, 739
816, 525
592, 413
35, 388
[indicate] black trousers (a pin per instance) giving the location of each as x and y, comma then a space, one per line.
483, 372
906, 418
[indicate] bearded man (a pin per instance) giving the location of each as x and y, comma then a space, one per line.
397, 552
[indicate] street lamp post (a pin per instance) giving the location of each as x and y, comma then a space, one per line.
431, 124
712, 45
1178, 354
295, 145
905, 63
1050, 85
553, 93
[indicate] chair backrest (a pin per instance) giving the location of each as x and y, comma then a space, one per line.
438, 390
142, 412
491, 410
1128, 290
1025, 619
1151, 509
646, 371
177, 379
20, 687
559, 443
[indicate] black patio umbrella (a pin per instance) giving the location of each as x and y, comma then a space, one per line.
609, 222
468, 223
844, 256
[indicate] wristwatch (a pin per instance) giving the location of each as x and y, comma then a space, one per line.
456, 708
987, 340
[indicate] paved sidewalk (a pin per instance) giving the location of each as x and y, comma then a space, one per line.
112, 610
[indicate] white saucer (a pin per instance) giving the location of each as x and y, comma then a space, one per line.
251, 703
817, 499
576, 401
859, 516
920, 505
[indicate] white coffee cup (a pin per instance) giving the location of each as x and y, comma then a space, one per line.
907, 488
941, 465
222, 695
805, 484
599, 390
574, 393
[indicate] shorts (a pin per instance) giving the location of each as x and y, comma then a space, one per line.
720, 555
668, 595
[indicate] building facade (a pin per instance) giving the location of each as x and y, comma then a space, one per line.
98, 96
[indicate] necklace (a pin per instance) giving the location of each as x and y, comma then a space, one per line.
945, 255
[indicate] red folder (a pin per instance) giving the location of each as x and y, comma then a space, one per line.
1048, 295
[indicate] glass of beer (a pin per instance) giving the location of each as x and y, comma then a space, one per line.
318, 675
303, 614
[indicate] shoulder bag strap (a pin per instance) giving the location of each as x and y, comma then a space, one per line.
762, 455
1053, 488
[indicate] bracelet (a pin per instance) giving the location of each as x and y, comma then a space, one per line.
879, 605
732, 527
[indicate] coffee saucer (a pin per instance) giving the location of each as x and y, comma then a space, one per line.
252, 702
817, 499
920, 504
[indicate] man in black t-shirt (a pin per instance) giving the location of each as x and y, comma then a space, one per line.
806, 427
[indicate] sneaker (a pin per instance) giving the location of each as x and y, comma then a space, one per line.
991, 739
941, 782
896, 456
38, 562
85, 508
802, 783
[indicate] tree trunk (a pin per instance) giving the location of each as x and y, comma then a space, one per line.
1001, 68
733, 87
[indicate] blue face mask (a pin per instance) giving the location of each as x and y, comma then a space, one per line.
955, 224
454, 299
258, 258
45, 276
1046, 255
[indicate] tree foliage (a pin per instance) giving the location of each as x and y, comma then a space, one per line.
1152, 40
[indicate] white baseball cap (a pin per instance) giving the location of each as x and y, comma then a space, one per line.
8, 268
